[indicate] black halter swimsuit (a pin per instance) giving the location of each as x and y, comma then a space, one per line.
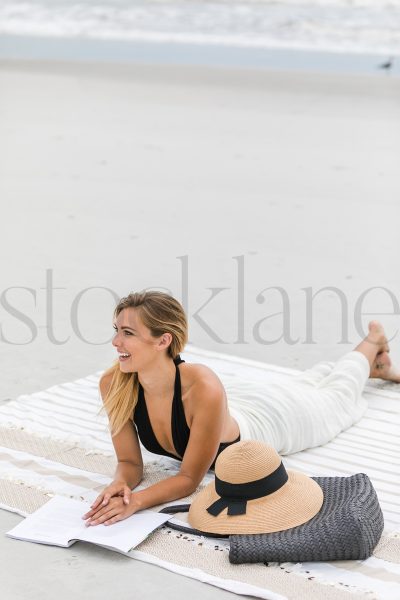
179, 426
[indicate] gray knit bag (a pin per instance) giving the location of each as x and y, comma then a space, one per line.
347, 527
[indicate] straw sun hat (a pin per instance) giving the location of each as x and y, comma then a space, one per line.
254, 493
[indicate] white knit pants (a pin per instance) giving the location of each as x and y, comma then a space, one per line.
305, 410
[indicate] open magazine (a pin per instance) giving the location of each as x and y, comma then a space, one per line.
59, 523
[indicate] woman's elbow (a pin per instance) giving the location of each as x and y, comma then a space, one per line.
192, 483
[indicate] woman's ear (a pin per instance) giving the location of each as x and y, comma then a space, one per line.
166, 340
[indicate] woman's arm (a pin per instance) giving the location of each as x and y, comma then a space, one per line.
204, 440
130, 462
126, 446
172, 488
128, 473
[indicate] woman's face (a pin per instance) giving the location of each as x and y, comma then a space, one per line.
133, 341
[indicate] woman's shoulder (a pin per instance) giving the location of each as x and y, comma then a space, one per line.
198, 376
198, 371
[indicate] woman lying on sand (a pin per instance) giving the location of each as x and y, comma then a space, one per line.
181, 410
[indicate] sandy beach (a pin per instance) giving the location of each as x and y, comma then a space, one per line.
213, 184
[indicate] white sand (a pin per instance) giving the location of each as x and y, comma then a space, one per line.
109, 174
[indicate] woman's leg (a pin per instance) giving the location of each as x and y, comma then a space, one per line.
334, 402
311, 408
314, 411
374, 347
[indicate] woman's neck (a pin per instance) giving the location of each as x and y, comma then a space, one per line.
158, 379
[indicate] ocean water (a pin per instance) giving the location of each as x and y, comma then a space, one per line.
342, 26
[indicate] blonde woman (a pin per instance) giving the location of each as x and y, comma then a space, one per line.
181, 410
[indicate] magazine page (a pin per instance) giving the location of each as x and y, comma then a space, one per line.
59, 522
53, 523
126, 534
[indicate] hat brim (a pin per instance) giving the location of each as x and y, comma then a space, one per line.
295, 503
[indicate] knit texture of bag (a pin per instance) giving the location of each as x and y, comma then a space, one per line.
347, 527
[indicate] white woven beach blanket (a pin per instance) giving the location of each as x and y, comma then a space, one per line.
54, 442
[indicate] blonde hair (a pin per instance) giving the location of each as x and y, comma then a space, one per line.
160, 313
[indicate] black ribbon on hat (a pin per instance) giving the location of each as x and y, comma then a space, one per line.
234, 496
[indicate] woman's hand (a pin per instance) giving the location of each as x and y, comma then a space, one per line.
115, 510
116, 488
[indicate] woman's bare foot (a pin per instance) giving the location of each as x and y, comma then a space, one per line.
377, 336
383, 368
374, 344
